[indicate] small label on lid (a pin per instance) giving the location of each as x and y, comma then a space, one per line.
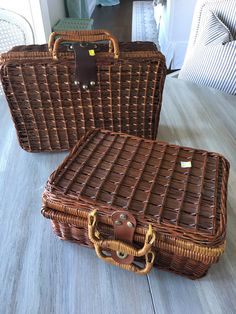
186, 164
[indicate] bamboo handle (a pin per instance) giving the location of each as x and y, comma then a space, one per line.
82, 36
77, 33
119, 246
149, 260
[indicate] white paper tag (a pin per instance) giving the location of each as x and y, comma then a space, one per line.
186, 164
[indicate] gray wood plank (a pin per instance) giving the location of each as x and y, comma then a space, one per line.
38, 272
204, 118
41, 274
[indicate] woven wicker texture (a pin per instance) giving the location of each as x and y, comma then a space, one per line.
72, 24
111, 171
165, 258
51, 113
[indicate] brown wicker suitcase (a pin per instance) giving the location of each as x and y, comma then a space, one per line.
57, 93
134, 199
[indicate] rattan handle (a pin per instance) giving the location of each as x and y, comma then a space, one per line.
149, 260
117, 245
82, 37
77, 33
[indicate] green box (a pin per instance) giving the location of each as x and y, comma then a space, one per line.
72, 24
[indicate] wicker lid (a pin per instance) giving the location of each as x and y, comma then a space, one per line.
181, 191
128, 50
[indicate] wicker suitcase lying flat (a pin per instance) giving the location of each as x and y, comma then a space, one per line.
59, 93
134, 199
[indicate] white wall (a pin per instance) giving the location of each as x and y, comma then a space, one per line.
49, 12
41, 20
56, 10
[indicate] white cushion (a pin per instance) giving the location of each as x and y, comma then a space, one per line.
213, 31
211, 59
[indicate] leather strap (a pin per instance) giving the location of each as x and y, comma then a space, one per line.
102, 245
85, 65
124, 227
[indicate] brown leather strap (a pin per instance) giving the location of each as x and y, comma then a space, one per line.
124, 226
85, 65
101, 245
117, 245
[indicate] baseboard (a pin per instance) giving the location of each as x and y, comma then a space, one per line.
173, 74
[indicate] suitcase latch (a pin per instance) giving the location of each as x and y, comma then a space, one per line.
124, 227
122, 250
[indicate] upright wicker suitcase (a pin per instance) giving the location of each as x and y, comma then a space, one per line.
59, 92
136, 200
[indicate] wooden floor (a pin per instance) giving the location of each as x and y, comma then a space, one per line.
117, 19
41, 274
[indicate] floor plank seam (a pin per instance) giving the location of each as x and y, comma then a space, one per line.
150, 290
